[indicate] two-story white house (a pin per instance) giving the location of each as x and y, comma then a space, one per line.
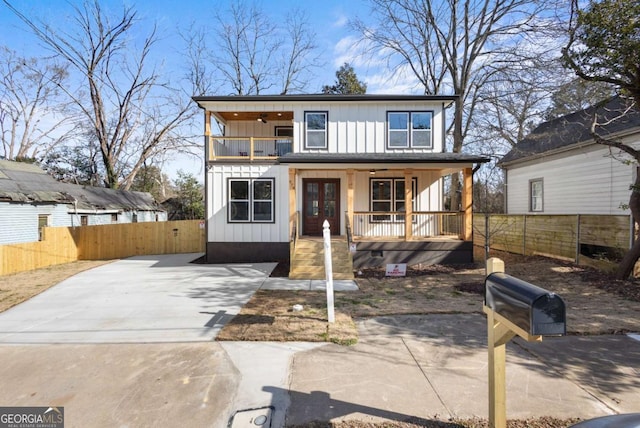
278, 166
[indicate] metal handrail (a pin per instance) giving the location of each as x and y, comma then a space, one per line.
347, 223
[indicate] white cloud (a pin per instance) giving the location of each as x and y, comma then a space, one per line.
341, 21
399, 81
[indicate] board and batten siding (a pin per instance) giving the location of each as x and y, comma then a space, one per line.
220, 230
586, 180
358, 127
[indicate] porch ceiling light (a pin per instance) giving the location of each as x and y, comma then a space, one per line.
372, 172
262, 118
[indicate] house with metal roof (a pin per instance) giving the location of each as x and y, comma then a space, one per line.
31, 199
371, 166
560, 169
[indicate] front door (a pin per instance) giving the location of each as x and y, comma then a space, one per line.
321, 202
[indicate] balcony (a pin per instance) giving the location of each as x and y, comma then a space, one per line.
248, 148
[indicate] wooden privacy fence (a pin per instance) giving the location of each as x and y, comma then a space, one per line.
103, 242
561, 236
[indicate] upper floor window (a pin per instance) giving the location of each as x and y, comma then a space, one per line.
409, 129
251, 200
535, 195
316, 129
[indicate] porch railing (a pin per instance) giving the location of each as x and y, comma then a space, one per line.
424, 224
248, 148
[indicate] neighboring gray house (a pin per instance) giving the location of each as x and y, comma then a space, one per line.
31, 199
560, 169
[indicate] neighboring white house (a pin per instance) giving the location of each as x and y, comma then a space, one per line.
283, 164
560, 169
31, 199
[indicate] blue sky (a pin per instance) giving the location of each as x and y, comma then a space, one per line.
328, 19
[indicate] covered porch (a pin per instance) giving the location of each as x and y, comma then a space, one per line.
381, 217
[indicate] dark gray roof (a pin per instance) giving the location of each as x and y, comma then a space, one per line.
575, 128
22, 182
290, 158
324, 98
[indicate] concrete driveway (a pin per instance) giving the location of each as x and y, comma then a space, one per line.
146, 299
130, 344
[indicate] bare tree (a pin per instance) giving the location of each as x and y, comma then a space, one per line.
451, 45
132, 114
298, 55
248, 48
254, 55
604, 47
34, 118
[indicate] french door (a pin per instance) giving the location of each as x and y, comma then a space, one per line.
321, 201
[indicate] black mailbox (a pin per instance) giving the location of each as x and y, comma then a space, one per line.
534, 309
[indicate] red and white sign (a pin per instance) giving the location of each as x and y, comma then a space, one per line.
399, 269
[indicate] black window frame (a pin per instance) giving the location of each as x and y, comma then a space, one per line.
398, 218
326, 131
409, 130
251, 200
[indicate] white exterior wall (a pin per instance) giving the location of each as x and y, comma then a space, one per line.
222, 231
587, 180
357, 127
429, 198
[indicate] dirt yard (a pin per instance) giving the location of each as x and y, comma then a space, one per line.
595, 304
21, 286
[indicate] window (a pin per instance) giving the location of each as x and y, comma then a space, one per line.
316, 129
251, 200
387, 194
409, 129
134, 218
84, 220
535, 195
284, 146
114, 218
43, 221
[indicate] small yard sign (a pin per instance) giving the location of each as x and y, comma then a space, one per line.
399, 269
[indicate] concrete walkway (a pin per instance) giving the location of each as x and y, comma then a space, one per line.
132, 344
421, 368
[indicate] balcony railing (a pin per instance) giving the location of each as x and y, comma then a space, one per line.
391, 225
248, 148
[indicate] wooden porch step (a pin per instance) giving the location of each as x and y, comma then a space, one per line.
308, 259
